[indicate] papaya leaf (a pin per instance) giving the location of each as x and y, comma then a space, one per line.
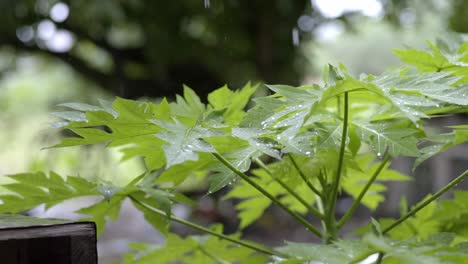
182, 142
400, 141
193, 250
29, 190
355, 180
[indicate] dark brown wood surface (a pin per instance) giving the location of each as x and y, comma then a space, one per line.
30, 240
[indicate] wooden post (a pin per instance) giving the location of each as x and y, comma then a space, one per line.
30, 240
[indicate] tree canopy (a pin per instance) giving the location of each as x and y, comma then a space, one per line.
150, 48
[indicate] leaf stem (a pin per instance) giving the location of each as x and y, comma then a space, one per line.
304, 178
426, 202
330, 212
259, 188
358, 199
206, 230
289, 190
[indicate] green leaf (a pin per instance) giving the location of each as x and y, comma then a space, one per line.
293, 94
161, 223
129, 125
29, 190
240, 159
400, 141
173, 250
183, 143
254, 204
420, 226
257, 139
355, 180
233, 102
193, 101
329, 136
194, 250
442, 142
436, 249
423, 60
343, 251
439, 58
105, 210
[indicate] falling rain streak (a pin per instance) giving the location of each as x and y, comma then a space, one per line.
295, 36
206, 3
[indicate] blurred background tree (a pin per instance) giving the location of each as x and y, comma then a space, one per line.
150, 48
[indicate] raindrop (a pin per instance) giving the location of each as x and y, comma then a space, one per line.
107, 191
206, 3
295, 36
307, 153
379, 154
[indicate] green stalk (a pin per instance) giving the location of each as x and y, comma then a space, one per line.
330, 220
259, 188
322, 211
207, 230
304, 178
426, 202
358, 199
289, 190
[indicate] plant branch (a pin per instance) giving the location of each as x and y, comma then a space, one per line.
289, 190
358, 199
330, 218
426, 202
206, 230
304, 178
259, 188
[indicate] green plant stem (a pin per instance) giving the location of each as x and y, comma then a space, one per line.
426, 202
289, 190
207, 230
259, 188
358, 199
304, 178
321, 210
331, 204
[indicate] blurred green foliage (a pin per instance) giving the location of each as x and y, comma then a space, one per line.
150, 48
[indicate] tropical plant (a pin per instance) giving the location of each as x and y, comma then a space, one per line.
298, 148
